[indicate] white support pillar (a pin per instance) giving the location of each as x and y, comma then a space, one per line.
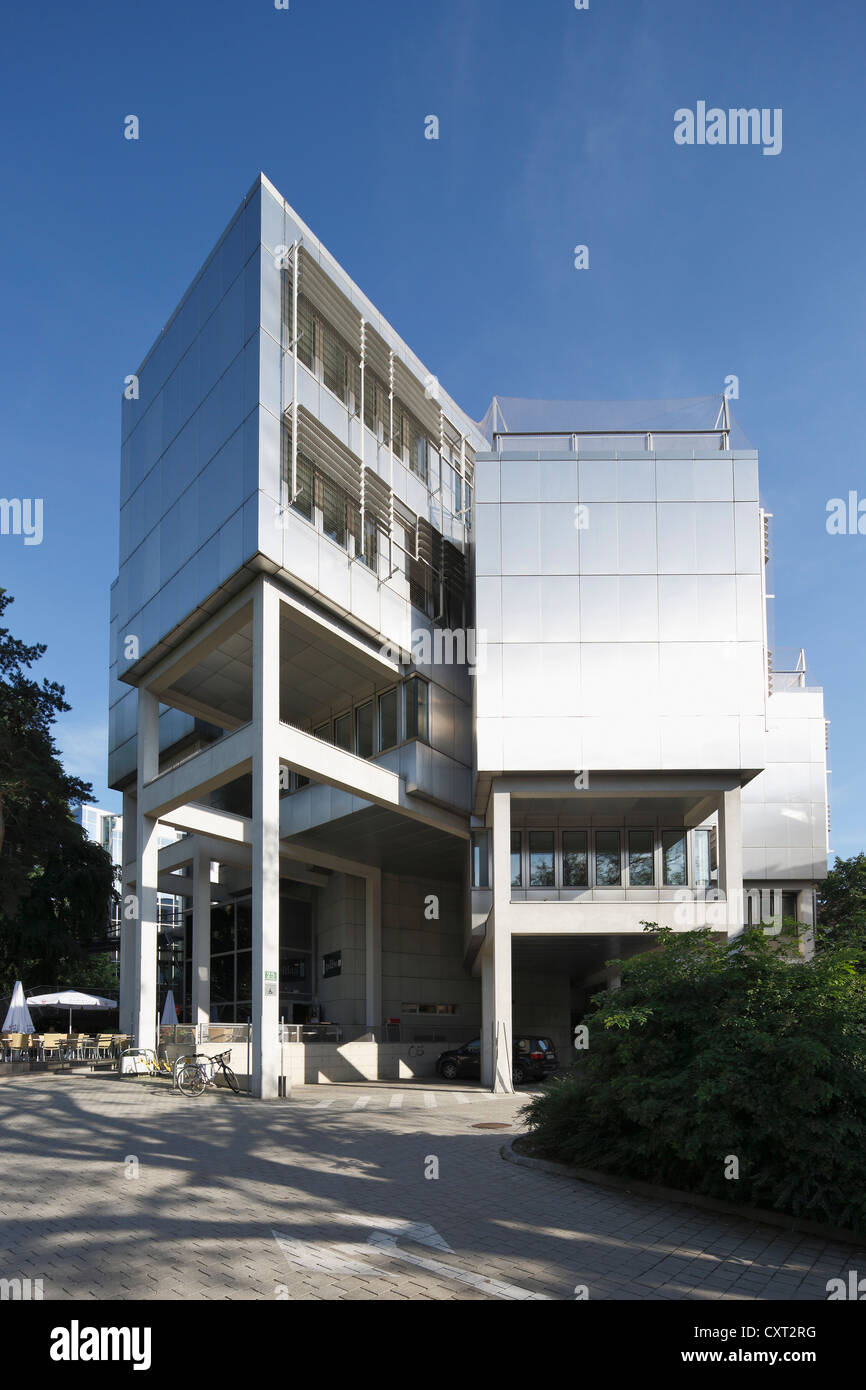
128, 924
373, 952
144, 1001
201, 938
496, 1003
731, 858
806, 915
266, 842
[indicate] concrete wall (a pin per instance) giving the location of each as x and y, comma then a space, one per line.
541, 1003
339, 925
422, 959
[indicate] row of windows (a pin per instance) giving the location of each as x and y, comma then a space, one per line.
596, 858
374, 726
435, 583
395, 716
327, 355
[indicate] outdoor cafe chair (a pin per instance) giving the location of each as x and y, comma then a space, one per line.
51, 1044
15, 1043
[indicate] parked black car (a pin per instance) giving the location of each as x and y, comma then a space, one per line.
533, 1059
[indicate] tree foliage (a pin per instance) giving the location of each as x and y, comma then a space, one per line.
711, 1051
842, 906
55, 884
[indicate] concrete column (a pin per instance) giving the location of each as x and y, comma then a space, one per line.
266, 842
731, 858
373, 952
147, 877
128, 925
806, 915
201, 938
496, 1006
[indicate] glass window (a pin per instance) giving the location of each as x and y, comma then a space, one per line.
364, 730
303, 503
702, 858
516, 865
541, 859
243, 911
640, 859
333, 504
388, 719
245, 974
323, 732
222, 929
575, 866
608, 868
480, 870
222, 979
415, 708
343, 731
674, 857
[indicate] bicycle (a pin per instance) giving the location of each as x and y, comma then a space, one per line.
201, 1071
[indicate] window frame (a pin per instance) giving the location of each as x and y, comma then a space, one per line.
541, 830
683, 835
652, 832
516, 832
382, 746
586, 833
616, 830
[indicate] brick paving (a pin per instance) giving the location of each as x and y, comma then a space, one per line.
123, 1189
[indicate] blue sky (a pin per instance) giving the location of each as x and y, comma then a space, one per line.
556, 128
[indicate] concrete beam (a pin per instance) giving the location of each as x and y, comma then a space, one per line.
222, 762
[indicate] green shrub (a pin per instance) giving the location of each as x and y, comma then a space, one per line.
716, 1050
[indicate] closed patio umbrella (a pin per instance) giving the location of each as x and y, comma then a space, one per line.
18, 1018
72, 999
169, 1013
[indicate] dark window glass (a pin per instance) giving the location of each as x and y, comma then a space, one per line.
245, 974
323, 732
575, 865
608, 869
388, 719
516, 865
222, 929
222, 979
640, 859
541, 859
243, 911
333, 504
415, 704
343, 731
674, 857
364, 730
303, 503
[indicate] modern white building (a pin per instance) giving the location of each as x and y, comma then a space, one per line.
444, 711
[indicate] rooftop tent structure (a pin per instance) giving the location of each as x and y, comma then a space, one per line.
690, 424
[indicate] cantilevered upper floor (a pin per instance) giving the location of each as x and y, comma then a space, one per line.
280, 424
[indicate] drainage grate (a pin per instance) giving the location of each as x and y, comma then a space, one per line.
490, 1124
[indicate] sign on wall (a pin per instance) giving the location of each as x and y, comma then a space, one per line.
332, 965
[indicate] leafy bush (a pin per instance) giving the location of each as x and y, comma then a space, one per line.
711, 1050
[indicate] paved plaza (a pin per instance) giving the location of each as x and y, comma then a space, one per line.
123, 1189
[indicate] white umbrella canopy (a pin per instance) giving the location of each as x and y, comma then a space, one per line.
169, 1013
18, 1018
72, 999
